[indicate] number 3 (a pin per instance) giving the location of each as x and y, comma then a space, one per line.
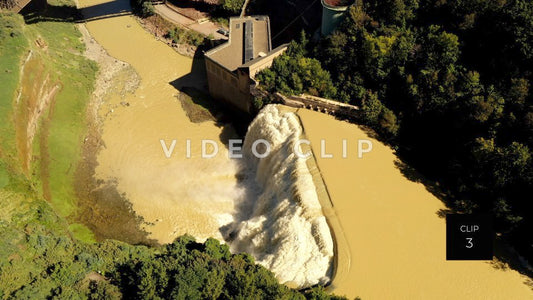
469, 243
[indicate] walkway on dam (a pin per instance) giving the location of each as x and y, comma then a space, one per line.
205, 27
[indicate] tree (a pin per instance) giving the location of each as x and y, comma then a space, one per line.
233, 6
217, 250
397, 12
103, 290
293, 73
7, 4
375, 114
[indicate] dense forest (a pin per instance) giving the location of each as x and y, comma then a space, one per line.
447, 84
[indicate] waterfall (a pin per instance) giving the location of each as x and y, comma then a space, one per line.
282, 224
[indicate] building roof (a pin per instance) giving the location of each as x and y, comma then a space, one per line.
338, 3
249, 39
212, 2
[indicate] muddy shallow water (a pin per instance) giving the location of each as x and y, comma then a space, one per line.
165, 192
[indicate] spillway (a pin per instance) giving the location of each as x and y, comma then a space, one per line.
281, 223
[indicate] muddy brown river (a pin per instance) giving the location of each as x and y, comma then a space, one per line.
175, 195
394, 242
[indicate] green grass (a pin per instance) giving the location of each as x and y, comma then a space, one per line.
13, 46
67, 120
64, 62
81, 232
4, 177
223, 21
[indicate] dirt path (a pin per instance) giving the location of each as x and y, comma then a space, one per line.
34, 97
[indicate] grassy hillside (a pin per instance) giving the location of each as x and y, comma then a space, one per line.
12, 46
43, 108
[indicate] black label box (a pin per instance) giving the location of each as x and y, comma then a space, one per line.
469, 237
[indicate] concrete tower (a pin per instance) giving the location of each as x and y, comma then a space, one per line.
333, 12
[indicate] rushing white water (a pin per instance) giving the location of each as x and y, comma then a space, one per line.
283, 227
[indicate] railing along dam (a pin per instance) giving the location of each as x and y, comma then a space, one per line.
319, 104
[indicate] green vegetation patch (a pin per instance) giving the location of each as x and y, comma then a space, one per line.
198, 106
57, 51
65, 119
13, 46
184, 36
294, 73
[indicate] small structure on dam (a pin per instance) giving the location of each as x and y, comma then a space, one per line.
333, 12
319, 104
231, 67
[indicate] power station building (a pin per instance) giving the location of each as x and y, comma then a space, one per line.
232, 66
333, 12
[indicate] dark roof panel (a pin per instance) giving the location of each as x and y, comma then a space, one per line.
248, 41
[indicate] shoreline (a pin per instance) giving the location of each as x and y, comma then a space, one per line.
100, 205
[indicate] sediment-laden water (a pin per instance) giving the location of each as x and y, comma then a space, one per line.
176, 195
394, 230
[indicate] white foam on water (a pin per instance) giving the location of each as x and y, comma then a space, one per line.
281, 224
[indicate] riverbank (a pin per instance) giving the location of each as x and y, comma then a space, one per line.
395, 237
106, 212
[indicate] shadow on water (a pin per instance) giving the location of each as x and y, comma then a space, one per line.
505, 257
72, 14
197, 78
433, 187
200, 106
